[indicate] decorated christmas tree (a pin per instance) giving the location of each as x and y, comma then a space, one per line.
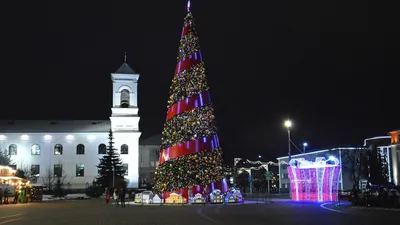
190, 154
110, 168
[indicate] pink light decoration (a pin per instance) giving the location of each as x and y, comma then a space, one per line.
314, 181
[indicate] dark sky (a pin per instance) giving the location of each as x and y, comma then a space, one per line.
331, 66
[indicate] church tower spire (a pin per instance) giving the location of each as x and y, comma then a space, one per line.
125, 119
125, 68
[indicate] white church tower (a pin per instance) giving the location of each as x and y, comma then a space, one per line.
125, 120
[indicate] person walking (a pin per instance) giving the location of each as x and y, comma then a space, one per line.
108, 197
1, 196
116, 198
16, 196
190, 195
122, 197
5, 193
205, 194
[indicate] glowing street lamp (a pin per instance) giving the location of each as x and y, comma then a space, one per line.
305, 144
288, 125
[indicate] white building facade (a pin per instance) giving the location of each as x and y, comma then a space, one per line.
149, 156
72, 148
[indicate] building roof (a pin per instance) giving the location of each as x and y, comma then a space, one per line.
54, 126
323, 150
152, 140
380, 139
125, 69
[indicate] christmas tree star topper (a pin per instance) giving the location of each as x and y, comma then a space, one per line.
188, 6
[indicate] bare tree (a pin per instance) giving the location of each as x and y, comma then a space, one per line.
5, 159
24, 172
55, 177
49, 179
354, 161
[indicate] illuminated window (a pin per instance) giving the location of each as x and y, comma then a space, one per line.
35, 149
80, 149
80, 170
102, 149
124, 149
58, 149
12, 149
124, 98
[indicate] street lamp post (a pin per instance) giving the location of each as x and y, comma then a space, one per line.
305, 144
113, 177
288, 125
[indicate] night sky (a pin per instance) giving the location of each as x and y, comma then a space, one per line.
331, 66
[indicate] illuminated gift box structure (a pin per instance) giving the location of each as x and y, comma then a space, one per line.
314, 181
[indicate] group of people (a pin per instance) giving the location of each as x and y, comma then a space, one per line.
18, 196
4, 196
377, 196
118, 195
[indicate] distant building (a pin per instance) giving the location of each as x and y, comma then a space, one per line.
149, 153
383, 162
386, 152
72, 148
345, 179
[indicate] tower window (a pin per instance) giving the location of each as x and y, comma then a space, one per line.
125, 98
124, 149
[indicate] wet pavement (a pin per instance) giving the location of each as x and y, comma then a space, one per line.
94, 212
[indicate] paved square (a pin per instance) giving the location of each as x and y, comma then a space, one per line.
94, 212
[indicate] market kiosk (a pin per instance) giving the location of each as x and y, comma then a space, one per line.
12, 189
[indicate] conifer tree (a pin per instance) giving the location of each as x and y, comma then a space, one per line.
111, 170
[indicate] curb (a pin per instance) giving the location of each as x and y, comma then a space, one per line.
375, 208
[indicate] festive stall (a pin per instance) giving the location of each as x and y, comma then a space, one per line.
157, 200
234, 196
175, 198
216, 197
145, 197
13, 189
198, 199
